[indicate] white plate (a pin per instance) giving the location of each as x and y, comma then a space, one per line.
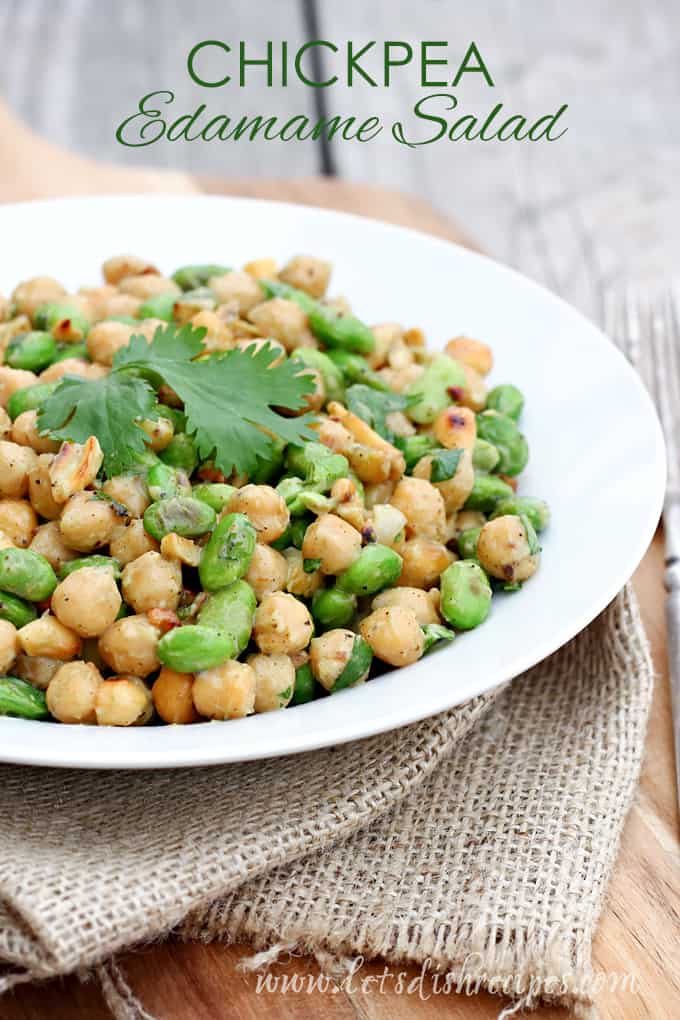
597, 454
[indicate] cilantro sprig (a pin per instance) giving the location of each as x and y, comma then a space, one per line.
231, 401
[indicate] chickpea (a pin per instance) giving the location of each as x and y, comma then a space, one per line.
130, 541
281, 319
87, 601
87, 522
97, 299
423, 507
471, 352
238, 287
118, 267
106, 338
219, 336
18, 521
49, 542
475, 391
394, 634
36, 669
385, 333
120, 304
503, 549
74, 468
130, 491
299, 581
226, 691
9, 645
261, 269
31, 294
423, 562
315, 399
380, 493
172, 697
330, 653
174, 547
129, 646
150, 582
274, 681
40, 488
307, 273
72, 692
388, 525
455, 428
268, 571
15, 463
282, 624
454, 490
467, 519
159, 430
147, 285
6, 542
264, 508
333, 541
123, 700
25, 433
73, 366
415, 599
13, 379
5, 424
48, 637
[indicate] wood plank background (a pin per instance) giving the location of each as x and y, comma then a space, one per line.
582, 214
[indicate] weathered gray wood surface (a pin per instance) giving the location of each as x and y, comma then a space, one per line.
582, 214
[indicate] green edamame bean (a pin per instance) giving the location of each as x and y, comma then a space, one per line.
536, 510
332, 607
358, 664
415, 448
180, 453
177, 417
503, 433
103, 562
31, 351
228, 553
376, 567
506, 399
277, 289
215, 494
304, 689
318, 466
486, 492
293, 535
55, 313
330, 373
229, 612
21, 700
434, 633
158, 306
27, 574
184, 515
191, 277
271, 466
65, 351
164, 481
192, 648
356, 369
195, 300
467, 543
431, 392
485, 456
331, 326
465, 595
16, 610
30, 398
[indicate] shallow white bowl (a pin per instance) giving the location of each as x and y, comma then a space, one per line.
597, 453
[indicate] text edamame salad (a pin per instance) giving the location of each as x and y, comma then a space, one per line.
221, 493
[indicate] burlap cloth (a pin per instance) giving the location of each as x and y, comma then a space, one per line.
479, 842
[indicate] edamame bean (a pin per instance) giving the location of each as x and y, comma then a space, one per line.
485, 456
465, 595
503, 433
377, 567
180, 453
434, 633
318, 466
467, 543
215, 494
293, 535
55, 316
433, 391
487, 491
65, 351
31, 351
16, 610
184, 515
177, 417
536, 510
191, 277
191, 648
415, 448
90, 561
230, 612
357, 667
332, 327
330, 373
304, 685
228, 553
30, 398
332, 607
158, 306
506, 399
20, 699
164, 481
271, 467
356, 369
27, 574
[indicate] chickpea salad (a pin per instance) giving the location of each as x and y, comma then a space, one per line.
221, 493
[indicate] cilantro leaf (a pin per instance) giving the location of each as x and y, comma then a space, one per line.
169, 349
105, 408
444, 464
373, 406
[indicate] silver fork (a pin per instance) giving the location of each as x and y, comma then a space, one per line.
645, 323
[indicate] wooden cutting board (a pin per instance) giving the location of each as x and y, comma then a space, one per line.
640, 930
